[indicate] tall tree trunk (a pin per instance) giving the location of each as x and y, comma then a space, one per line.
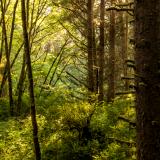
147, 38
111, 76
126, 49
124, 45
30, 78
90, 40
5, 74
8, 60
101, 51
95, 63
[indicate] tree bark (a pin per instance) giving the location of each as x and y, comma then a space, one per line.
101, 51
95, 63
124, 45
30, 78
90, 40
147, 39
9, 44
111, 76
8, 61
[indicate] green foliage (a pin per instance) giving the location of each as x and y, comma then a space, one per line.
69, 127
4, 109
16, 138
72, 131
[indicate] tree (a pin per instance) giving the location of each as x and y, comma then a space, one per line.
111, 61
90, 40
30, 78
7, 53
124, 45
101, 50
147, 46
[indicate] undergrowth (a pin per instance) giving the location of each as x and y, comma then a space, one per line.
70, 131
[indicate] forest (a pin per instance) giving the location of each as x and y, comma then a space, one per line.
79, 80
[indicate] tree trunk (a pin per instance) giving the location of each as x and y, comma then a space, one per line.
90, 40
147, 38
8, 61
111, 76
9, 44
124, 45
126, 49
30, 78
95, 63
101, 51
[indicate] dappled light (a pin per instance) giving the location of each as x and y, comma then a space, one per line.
79, 80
